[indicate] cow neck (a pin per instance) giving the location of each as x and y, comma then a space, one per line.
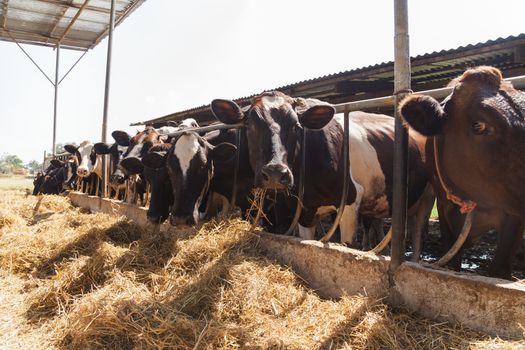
465, 206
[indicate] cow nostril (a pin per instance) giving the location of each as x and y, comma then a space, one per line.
285, 177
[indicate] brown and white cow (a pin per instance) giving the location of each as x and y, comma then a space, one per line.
275, 123
479, 131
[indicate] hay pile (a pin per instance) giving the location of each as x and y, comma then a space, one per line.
93, 281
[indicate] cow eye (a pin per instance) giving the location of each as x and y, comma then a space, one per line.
481, 128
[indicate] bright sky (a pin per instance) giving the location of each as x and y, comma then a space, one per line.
173, 55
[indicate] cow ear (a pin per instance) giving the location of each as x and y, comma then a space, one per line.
317, 116
71, 149
227, 111
313, 114
423, 113
121, 137
57, 163
102, 148
223, 152
154, 160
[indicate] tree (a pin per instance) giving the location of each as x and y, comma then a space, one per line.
10, 164
34, 166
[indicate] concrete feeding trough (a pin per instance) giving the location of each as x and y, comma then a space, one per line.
493, 306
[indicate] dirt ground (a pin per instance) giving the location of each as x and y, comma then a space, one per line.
74, 280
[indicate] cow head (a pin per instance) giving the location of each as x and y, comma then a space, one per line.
274, 123
86, 157
480, 133
190, 166
115, 151
156, 175
54, 179
137, 147
71, 166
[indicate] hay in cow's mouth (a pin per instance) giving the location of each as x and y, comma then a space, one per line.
93, 281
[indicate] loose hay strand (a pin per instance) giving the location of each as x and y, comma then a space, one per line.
96, 281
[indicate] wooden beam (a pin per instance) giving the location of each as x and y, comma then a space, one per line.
119, 18
62, 13
72, 5
4, 14
73, 20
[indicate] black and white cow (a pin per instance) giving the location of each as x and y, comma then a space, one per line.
275, 123
116, 176
190, 164
89, 168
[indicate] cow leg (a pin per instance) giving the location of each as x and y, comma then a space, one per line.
420, 213
350, 219
509, 239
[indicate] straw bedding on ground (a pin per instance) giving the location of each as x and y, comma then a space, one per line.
74, 280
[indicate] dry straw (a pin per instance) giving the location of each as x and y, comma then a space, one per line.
95, 281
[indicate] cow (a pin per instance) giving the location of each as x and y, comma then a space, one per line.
275, 123
476, 151
116, 177
89, 165
55, 178
40, 177
156, 175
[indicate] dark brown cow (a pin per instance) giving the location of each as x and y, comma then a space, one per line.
479, 131
274, 125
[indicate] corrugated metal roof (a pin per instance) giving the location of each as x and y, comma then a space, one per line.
76, 24
430, 70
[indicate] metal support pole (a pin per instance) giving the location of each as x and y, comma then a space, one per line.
401, 88
106, 93
56, 100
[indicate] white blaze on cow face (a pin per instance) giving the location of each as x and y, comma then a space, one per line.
188, 123
86, 166
186, 148
273, 102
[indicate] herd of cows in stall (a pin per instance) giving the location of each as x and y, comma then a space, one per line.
467, 152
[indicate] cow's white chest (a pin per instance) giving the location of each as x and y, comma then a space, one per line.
365, 169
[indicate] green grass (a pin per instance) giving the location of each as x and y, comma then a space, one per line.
15, 183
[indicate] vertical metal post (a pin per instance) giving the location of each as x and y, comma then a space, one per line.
401, 88
106, 94
56, 99
44, 162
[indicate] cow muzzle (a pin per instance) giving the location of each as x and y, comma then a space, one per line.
276, 177
82, 172
117, 179
182, 221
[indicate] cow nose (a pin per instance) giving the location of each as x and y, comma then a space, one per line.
276, 176
182, 220
82, 172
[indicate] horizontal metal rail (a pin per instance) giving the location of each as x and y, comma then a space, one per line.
207, 128
388, 101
